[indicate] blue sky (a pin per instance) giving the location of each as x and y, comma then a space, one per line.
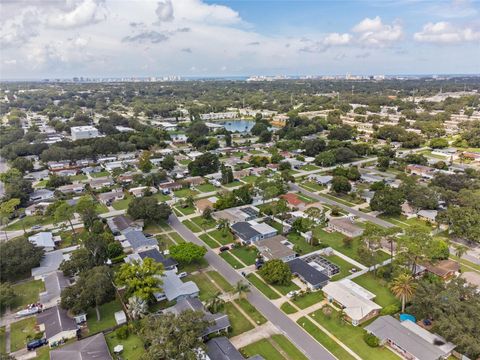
104, 38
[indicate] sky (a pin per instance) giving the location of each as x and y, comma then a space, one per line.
123, 38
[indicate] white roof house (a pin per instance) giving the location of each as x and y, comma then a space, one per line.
84, 132
356, 301
43, 239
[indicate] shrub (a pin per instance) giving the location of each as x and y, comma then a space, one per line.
371, 340
122, 332
390, 309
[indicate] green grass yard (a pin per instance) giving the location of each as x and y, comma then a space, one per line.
302, 246
247, 254
290, 349
288, 308
176, 237
30, 221
203, 223
183, 193
20, 331
2, 340
27, 293
308, 300
100, 174
379, 287
220, 281
222, 236
107, 318
239, 323
205, 188
264, 348
252, 312
189, 210
191, 226
262, 286
206, 286
231, 260
345, 267
132, 346
209, 241
122, 204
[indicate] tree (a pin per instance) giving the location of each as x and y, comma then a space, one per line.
7, 296
149, 209
204, 164
187, 252
227, 174
93, 288
403, 288
340, 184
7, 209
22, 164
438, 143
114, 249
86, 209
18, 257
173, 336
388, 200
463, 222
242, 288
144, 162
420, 197
215, 303
276, 272
79, 261
141, 279
325, 158
168, 162
460, 250
65, 213
313, 147
137, 308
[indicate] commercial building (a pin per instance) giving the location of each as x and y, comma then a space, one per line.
84, 132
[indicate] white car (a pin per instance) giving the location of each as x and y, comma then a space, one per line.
182, 274
292, 293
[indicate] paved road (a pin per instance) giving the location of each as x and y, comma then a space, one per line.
310, 347
355, 212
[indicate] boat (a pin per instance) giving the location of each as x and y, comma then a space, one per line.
30, 310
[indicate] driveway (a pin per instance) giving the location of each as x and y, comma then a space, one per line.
310, 347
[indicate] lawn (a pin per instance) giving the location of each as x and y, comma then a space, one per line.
352, 336
20, 331
209, 241
41, 184
27, 293
239, 323
29, 221
207, 287
379, 287
191, 226
183, 193
344, 266
164, 242
335, 240
220, 281
100, 208
79, 177
233, 184
122, 204
248, 254
308, 300
107, 318
290, 349
250, 179
195, 266
309, 167
132, 346
285, 289
205, 188
231, 260
223, 237
2, 340
251, 311
161, 197
262, 286
189, 210
100, 174
203, 223
152, 228
264, 348
306, 198
311, 186
324, 339
176, 237
288, 308
302, 246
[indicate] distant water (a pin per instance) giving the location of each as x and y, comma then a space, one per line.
242, 126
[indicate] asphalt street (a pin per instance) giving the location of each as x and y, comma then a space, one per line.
303, 341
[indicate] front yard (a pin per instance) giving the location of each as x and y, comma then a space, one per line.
247, 254
107, 318
379, 287
20, 331
27, 293
239, 323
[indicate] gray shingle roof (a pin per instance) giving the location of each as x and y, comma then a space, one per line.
56, 320
307, 272
137, 240
244, 230
91, 348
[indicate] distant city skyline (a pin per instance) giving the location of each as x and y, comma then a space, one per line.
194, 38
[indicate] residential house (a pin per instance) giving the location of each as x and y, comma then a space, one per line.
167, 262
174, 289
38, 208
251, 231
446, 269
220, 321
237, 214
428, 215
238, 175
294, 201
139, 191
41, 195
122, 224
99, 183
421, 170
274, 248
356, 301
194, 180
314, 278
76, 188
220, 348
171, 186
202, 204
321, 263
109, 197
345, 226
58, 326
136, 241
55, 282
50, 262
370, 178
409, 340
471, 155
91, 348
320, 179
44, 240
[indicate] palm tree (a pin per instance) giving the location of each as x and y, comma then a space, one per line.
403, 288
223, 225
242, 289
215, 303
460, 250
137, 307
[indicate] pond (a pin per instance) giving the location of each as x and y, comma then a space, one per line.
242, 126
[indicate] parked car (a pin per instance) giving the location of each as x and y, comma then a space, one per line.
182, 274
224, 248
34, 344
36, 227
292, 293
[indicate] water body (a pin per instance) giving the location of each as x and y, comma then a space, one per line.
242, 126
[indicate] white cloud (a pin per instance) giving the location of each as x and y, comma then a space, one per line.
373, 32
445, 33
86, 12
337, 39
199, 11
164, 11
